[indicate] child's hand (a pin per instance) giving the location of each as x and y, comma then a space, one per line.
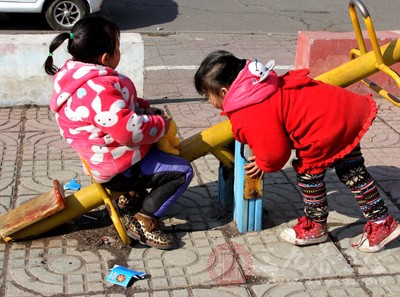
252, 169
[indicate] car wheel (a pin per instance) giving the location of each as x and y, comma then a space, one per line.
63, 14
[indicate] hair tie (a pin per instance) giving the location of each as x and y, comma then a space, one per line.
71, 35
50, 54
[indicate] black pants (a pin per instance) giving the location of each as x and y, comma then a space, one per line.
168, 176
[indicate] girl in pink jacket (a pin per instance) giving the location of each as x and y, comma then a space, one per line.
101, 117
322, 123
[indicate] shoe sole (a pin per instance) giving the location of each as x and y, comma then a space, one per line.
303, 242
390, 238
157, 246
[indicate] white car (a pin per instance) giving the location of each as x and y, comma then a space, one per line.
60, 14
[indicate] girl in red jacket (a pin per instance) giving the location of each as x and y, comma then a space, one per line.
322, 123
103, 119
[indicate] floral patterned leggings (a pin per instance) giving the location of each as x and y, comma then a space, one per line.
351, 172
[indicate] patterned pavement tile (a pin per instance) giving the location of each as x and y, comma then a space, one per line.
2, 259
11, 119
39, 119
200, 292
47, 145
9, 153
276, 260
7, 185
194, 211
195, 263
341, 287
48, 267
367, 264
388, 285
380, 135
37, 176
200, 114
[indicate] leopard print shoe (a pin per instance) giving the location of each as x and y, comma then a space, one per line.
145, 229
132, 201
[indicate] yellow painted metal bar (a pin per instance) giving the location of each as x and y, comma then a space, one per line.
78, 203
356, 24
380, 62
382, 92
114, 215
361, 67
226, 156
209, 140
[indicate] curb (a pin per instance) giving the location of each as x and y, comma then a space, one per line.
24, 81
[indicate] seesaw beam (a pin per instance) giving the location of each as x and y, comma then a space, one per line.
211, 140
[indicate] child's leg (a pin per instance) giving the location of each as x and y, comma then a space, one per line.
353, 173
381, 227
168, 176
313, 189
311, 228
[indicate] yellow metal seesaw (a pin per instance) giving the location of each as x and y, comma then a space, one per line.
363, 63
211, 140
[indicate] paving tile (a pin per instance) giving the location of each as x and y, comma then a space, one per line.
2, 259
222, 292
7, 184
186, 266
47, 267
9, 154
200, 114
277, 260
47, 145
200, 292
341, 287
392, 188
367, 264
194, 211
11, 120
37, 176
40, 118
388, 285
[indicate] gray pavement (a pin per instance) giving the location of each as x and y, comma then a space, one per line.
213, 259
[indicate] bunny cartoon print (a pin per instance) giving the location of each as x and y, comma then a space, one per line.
97, 113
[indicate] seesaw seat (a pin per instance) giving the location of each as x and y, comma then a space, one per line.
32, 211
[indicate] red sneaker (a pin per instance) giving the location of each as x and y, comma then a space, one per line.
306, 232
378, 235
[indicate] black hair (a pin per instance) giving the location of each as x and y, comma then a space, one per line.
89, 38
219, 69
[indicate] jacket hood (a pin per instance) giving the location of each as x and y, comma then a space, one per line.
254, 84
71, 77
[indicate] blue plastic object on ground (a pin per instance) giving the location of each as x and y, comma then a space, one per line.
72, 185
122, 276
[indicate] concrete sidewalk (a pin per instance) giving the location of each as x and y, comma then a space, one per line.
213, 260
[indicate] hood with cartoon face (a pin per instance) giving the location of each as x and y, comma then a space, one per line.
254, 84
71, 77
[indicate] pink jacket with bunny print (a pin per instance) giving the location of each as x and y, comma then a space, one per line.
97, 110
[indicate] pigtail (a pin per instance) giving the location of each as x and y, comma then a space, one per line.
49, 67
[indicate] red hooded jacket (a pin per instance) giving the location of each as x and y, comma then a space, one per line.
321, 122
